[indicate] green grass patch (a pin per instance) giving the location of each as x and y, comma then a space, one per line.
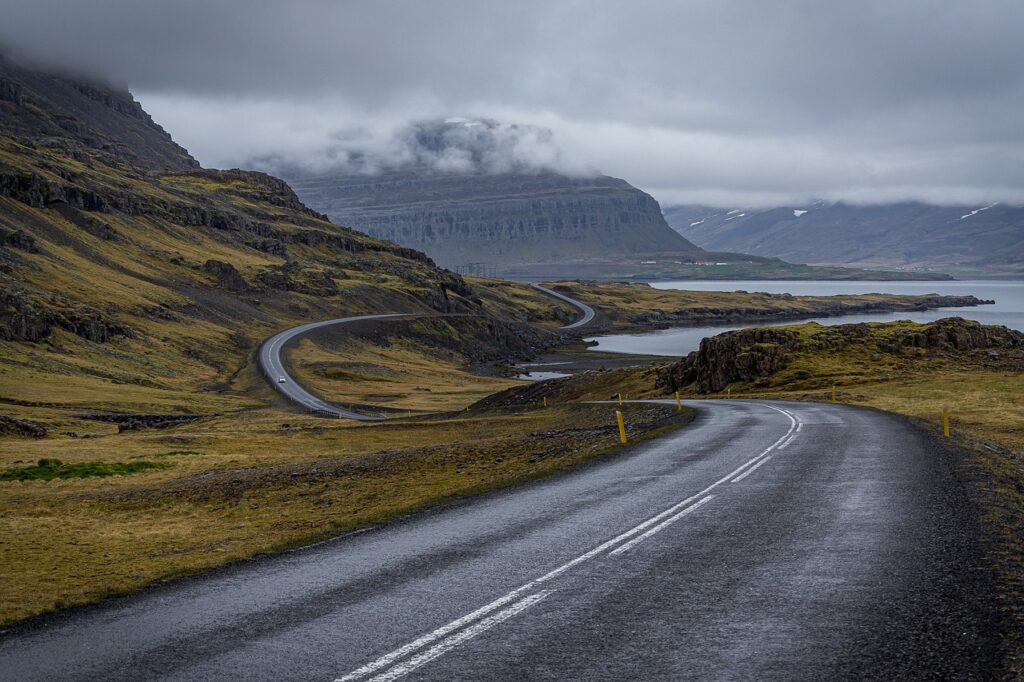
49, 469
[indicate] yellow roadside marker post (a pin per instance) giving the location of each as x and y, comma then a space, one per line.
620, 399
728, 392
945, 421
545, 401
622, 427
679, 403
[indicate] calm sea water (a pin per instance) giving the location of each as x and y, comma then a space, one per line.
1007, 294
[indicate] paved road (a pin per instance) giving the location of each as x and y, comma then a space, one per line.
270, 363
764, 541
588, 312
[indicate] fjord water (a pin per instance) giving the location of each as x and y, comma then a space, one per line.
1008, 309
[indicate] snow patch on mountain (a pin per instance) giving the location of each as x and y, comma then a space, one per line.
977, 211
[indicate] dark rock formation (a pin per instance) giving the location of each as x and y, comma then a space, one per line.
19, 240
24, 317
226, 275
292, 277
9, 426
134, 422
741, 355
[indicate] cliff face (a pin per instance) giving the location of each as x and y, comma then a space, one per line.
908, 235
52, 108
499, 219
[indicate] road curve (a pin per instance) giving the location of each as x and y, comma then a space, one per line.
588, 312
766, 540
270, 363
269, 359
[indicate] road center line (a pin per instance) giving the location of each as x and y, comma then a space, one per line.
389, 658
665, 524
444, 646
750, 470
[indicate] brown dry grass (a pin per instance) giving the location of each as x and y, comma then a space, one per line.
282, 480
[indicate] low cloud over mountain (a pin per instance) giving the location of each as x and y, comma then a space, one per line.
454, 145
723, 102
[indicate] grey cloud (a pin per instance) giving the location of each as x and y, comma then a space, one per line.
737, 101
452, 145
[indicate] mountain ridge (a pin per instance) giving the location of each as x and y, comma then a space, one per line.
505, 219
980, 239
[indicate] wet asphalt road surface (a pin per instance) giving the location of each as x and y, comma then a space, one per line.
776, 540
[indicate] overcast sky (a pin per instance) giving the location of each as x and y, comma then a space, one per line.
729, 102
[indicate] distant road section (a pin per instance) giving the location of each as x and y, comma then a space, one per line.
270, 363
588, 312
273, 368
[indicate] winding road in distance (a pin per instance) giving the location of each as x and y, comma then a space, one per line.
763, 541
270, 362
588, 312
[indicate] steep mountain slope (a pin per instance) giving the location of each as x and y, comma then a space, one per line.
127, 287
502, 219
964, 239
44, 106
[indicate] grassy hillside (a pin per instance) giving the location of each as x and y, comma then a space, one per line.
129, 291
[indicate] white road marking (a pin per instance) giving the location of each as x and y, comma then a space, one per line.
443, 647
388, 659
664, 524
788, 441
750, 470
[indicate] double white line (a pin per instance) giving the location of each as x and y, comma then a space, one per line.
447, 637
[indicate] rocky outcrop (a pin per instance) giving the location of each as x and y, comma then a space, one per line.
27, 317
135, 422
741, 355
226, 275
497, 219
18, 240
9, 426
745, 355
293, 277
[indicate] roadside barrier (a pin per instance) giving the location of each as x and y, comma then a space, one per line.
622, 427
